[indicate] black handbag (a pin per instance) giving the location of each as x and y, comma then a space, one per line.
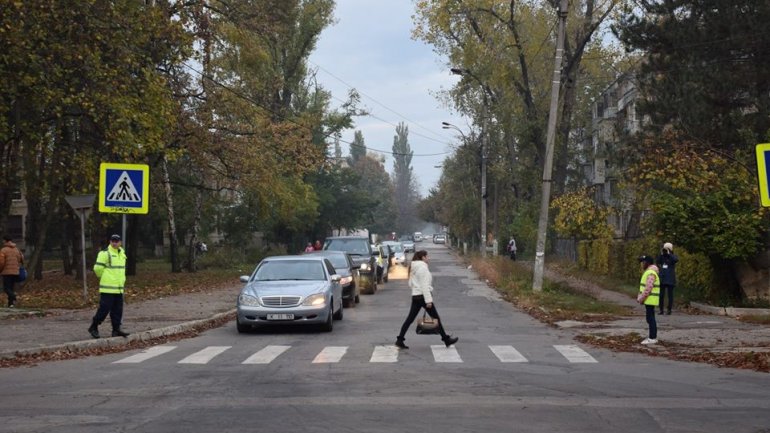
427, 324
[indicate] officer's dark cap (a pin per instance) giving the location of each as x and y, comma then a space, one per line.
115, 237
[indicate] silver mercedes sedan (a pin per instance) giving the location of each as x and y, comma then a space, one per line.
290, 290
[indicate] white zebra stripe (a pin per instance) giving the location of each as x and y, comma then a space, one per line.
146, 354
266, 355
507, 354
205, 355
575, 354
384, 354
330, 354
442, 353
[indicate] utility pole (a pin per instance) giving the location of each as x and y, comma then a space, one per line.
542, 225
483, 190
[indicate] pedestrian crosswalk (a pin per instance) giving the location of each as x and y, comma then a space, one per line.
380, 354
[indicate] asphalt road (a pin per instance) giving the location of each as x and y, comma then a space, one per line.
507, 373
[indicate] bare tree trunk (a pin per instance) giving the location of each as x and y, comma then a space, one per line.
193, 247
173, 246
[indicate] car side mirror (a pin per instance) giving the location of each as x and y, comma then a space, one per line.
244, 278
336, 278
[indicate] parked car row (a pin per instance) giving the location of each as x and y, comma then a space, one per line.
312, 288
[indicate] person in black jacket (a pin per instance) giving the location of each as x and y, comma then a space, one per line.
667, 264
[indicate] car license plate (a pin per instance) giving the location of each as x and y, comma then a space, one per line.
280, 317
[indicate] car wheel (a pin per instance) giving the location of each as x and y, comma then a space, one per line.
385, 278
347, 303
338, 314
241, 327
329, 325
358, 299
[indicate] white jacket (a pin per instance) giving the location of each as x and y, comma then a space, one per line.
421, 281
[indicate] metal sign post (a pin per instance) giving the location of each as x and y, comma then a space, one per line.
82, 204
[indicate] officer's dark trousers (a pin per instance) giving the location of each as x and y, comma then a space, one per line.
418, 303
650, 310
111, 304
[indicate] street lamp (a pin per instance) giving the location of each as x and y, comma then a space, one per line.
483, 237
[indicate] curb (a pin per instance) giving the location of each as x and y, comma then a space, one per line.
76, 346
730, 311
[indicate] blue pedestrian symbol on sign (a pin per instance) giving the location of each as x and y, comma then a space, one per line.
123, 188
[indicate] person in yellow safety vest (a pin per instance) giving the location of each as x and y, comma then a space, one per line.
649, 295
110, 267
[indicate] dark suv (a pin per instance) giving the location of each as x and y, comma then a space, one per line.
360, 250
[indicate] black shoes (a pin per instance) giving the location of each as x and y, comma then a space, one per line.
94, 331
400, 343
449, 340
119, 333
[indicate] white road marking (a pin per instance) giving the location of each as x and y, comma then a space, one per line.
442, 353
575, 354
145, 355
507, 354
205, 355
266, 355
385, 354
330, 354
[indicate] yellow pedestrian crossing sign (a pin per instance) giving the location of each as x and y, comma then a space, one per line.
124, 188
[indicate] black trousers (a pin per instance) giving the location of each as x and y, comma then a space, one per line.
650, 312
112, 304
8, 283
418, 303
666, 289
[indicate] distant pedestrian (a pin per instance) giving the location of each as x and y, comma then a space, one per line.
317, 246
667, 264
309, 248
421, 283
110, 267
649, 294
511, 248
11, 260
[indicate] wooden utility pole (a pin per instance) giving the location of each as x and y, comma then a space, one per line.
542, 225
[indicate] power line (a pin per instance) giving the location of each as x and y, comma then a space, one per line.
351, 87
283, 117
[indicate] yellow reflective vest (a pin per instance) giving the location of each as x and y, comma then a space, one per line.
654, 297
110, 267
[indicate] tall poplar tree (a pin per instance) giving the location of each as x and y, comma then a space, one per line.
404, 196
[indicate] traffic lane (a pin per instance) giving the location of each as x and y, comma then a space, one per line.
545, 393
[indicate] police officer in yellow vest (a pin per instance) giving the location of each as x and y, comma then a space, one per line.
649, 295
110, 267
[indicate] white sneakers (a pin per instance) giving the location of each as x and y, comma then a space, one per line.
648, 341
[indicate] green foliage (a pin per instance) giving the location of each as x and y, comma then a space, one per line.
700, 199
578, 216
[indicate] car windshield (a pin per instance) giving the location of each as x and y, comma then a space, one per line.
338, 261
354, 246
282, 270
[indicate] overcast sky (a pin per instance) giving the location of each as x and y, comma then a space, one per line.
370, 49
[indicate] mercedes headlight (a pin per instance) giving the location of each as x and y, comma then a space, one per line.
346, 280
317, 300
248, 300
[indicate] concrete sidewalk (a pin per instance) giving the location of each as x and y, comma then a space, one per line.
702, 327
27, 332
